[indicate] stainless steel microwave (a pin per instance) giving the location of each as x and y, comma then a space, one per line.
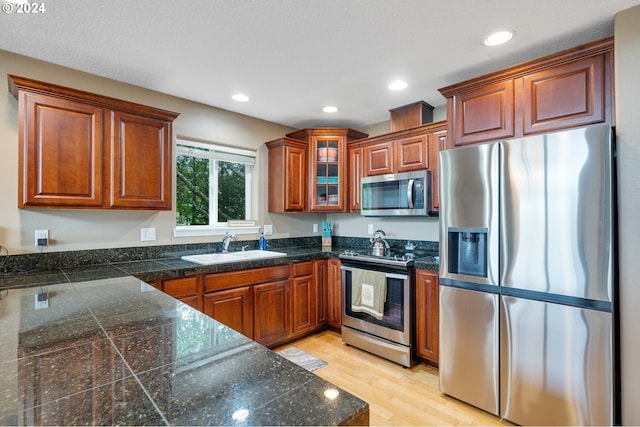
399, 194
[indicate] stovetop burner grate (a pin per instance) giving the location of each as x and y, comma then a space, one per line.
392, 258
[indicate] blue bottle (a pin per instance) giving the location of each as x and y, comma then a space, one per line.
262, 242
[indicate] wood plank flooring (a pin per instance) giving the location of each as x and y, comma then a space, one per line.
397, 396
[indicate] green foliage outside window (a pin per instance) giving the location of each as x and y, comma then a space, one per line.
192, 183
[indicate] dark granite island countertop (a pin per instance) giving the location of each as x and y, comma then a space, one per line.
117, 351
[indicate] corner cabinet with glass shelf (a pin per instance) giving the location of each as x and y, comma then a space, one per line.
328, 162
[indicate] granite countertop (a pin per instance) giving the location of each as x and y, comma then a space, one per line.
172, 266
117, 351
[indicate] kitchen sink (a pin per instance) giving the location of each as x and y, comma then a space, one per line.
221, 258
258, 254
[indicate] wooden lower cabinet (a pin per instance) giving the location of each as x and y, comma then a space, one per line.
427, 312
233, 307
271, 321
270, 305
334, 293
320, 276
186, 289
304, 299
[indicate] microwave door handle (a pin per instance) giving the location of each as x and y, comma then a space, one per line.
410, 193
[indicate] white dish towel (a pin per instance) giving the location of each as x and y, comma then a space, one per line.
368, 292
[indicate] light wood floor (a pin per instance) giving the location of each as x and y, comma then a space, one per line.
397, 396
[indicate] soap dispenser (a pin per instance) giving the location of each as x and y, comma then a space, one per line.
262, 242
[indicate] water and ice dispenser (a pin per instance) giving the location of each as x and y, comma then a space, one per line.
467, 251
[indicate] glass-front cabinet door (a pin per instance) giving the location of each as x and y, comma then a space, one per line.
327, 173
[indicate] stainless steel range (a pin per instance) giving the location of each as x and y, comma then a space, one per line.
378, 294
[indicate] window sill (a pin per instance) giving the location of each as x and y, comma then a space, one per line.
196, 230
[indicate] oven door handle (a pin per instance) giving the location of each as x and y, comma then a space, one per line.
389, 275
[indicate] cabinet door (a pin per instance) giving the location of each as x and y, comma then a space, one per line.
327, 174
411, 154
271, 321
233, 307
334, 293
320, 277
295, 179
427, 311
378, 159
303, 293
356, 172
437, 142
141, 162
484, 114
60, 157
186, 289
565, 96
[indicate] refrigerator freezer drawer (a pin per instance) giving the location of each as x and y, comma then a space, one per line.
556, 364
469, 347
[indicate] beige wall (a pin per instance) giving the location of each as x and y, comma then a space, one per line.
627, 65
88, 229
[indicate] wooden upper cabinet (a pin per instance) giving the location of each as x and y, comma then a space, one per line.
411, 154
327, 173
378, 158
564, 90
60, 156
484, 114
82, 150
287, 175
572, 94
356, 172
308, 170
141, 162
437, 142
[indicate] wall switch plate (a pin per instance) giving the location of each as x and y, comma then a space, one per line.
370, 228
315, 228
147, 234
42, 238
268, 229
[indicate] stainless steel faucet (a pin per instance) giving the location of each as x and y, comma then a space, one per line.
226, 240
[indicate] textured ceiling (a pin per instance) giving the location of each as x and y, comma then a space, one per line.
292, 57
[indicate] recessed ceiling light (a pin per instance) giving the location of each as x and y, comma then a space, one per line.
398, 85
330, 109
498, 38
240, 97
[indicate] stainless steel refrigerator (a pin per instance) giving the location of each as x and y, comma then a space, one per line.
527, 277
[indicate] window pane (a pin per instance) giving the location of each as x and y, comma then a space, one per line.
231, 191
192, 193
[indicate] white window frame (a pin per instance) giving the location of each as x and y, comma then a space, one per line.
219, 152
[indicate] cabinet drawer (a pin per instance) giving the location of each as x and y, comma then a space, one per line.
303, 269
233, 279
182, 287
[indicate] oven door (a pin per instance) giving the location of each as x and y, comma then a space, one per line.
395, 324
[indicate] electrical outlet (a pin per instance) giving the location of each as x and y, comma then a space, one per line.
268, 229
147, 234
42, 300
315, 228
370, 228
42, 238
